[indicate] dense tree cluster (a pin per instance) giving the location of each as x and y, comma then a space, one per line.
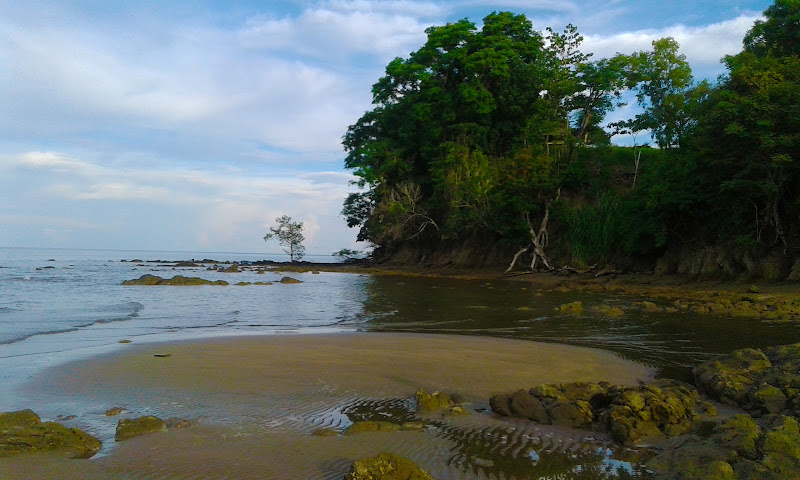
481, 134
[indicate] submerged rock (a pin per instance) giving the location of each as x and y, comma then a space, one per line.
129, 428
438, 401
290, 280
24, 432
369, 426
760, 381
386, 466
180, 280
663, 408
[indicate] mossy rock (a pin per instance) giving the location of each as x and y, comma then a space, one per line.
290, 280
369, 426
572, 307
662, 408
430, 402
23, 432
129, 428
325, 432
386, 466
177, 280
608, 310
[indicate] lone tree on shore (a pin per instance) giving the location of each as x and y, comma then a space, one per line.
289, 235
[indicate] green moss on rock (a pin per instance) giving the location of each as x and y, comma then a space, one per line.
386, 466
129, 428
663, 408
23, 432
178, 280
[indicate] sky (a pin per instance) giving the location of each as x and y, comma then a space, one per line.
192, 125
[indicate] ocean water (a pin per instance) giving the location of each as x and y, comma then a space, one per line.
61, 304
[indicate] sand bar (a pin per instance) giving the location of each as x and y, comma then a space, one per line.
260, 397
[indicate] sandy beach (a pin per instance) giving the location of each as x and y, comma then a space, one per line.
257, 400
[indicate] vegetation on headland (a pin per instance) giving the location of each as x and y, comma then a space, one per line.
488, 142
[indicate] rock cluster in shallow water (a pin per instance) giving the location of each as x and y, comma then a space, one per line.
760, 381
662, 408
737, 449
24, 432
180, 280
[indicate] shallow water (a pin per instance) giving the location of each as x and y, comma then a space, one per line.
672, 343
74, 306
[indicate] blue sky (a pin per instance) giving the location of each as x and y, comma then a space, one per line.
192, 125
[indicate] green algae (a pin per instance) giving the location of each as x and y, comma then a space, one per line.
386, 466
24, 432
129, 428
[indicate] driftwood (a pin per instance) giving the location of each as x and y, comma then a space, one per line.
607, 270
538, 242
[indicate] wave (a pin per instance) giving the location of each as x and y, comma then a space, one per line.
7, 309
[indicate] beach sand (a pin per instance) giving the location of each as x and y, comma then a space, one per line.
259, 398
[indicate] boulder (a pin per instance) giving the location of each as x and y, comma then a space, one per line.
290, 280
129, 428
761, 381
386, 466
738, 448
663, 408
24, 432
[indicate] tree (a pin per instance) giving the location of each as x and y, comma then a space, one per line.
289, 235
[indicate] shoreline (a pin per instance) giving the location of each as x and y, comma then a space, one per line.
275, 390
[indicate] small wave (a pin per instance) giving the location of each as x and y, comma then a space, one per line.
6, 309
21, 338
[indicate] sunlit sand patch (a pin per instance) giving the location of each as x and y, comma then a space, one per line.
259, 399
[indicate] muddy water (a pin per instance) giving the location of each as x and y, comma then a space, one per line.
672, 343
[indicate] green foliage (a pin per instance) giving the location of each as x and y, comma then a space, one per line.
479, 131
290, 235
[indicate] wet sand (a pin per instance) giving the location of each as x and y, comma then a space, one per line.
259, 398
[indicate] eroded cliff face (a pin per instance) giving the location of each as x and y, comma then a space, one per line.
729, 263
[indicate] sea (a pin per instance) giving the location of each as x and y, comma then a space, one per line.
58, 305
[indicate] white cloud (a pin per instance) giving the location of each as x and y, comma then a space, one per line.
703, 46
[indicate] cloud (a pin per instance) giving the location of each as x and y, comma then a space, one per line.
336, 31
703, 46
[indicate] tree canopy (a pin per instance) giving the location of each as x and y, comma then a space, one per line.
481, 132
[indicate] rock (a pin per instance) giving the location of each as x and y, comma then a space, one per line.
386, 466
608, 310
369, 426
176, 423
430, 402
24, 432
325, 432
762, 382
573, 307
124, 341
129, 428
737, 449
662, 408
523, 404
113, 411
782, 449
290, 280
179, 280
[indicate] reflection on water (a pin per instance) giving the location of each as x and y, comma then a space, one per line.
671, 342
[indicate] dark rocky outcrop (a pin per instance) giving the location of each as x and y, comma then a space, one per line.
662, 408
386, 466
24, 432
180, 280
739, 448
760, 381
290, 280
129, 428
